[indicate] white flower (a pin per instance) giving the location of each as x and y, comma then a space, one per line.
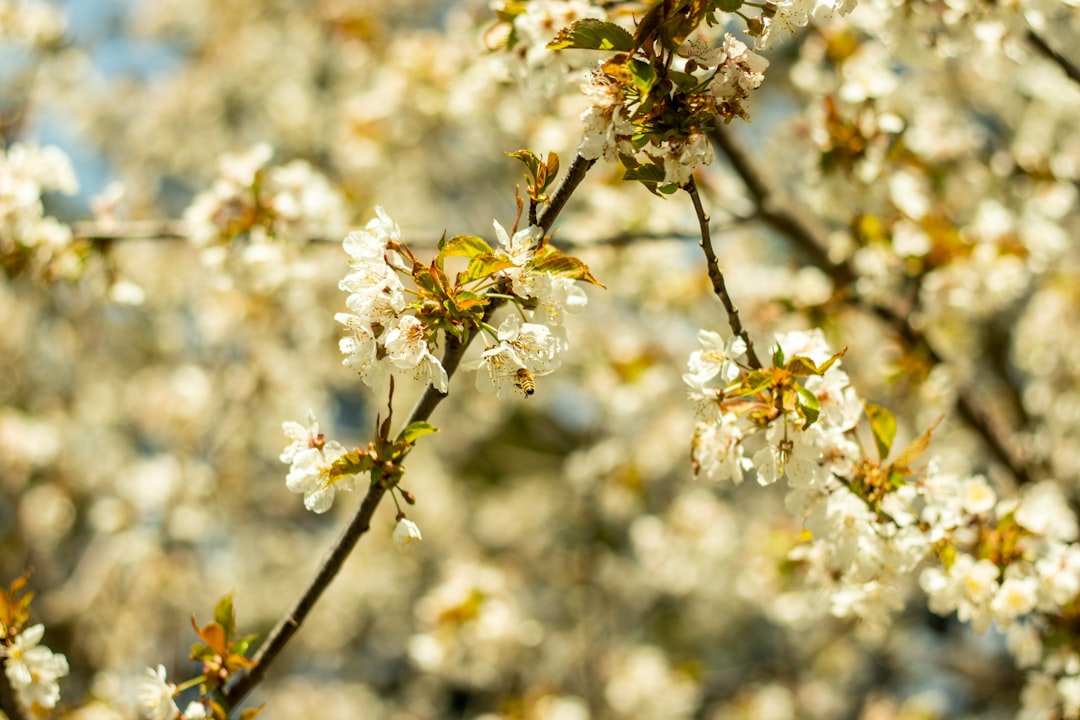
522, 346
718, 450
407, 347
977, 497
1044, 510
302, 437
789, 14
359, 346
34, 669
556, 297
607, 126
156, 696
968, 587
1016, 596
680, 156
312, 458
195, 711
716, 359
405, 533
520, 249
379, 303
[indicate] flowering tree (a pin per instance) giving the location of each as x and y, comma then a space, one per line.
824, 247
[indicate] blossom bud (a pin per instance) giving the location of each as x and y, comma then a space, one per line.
405, 533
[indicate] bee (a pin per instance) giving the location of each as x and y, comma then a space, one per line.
524, 381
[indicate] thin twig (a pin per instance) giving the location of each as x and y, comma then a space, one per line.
1067, 66
787, 218
107, 232
335, 557
716, 276
360, 523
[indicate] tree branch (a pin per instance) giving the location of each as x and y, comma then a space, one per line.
360, 523
335, 557
716, 276
1067, 66
786, 217
578, 169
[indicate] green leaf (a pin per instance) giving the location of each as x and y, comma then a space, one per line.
592, 34
482, 266
225, 616
808, 405
469, 246
917, 447
552, 169
800, 366
643, 74
201, 652
529, 158
883, 425
242, 645
552, 260
414, 431
757, 381
778, 356
684, 81
648, 172
466, 300
829, 363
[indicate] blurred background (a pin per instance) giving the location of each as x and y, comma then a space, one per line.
571, 566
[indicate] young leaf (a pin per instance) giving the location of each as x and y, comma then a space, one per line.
552, 260
757, 381
917, 447
468, 246
883, 425
551, 168
529, 158
823, 367
414, 431
482, 266
646, 173
808, 405
225, 616
800, 366
592, 34
643, 75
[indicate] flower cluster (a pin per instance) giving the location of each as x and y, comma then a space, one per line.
380, 335
655, 117
1012, 563
31, 23
312, 457
386, 331
780, 20
33, 669
525, 349
27, 235
268, 207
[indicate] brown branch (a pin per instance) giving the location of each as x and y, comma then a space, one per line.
335, 557
360, 523
578, 169
786, 217
716, 276
1068, 67
9, 702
